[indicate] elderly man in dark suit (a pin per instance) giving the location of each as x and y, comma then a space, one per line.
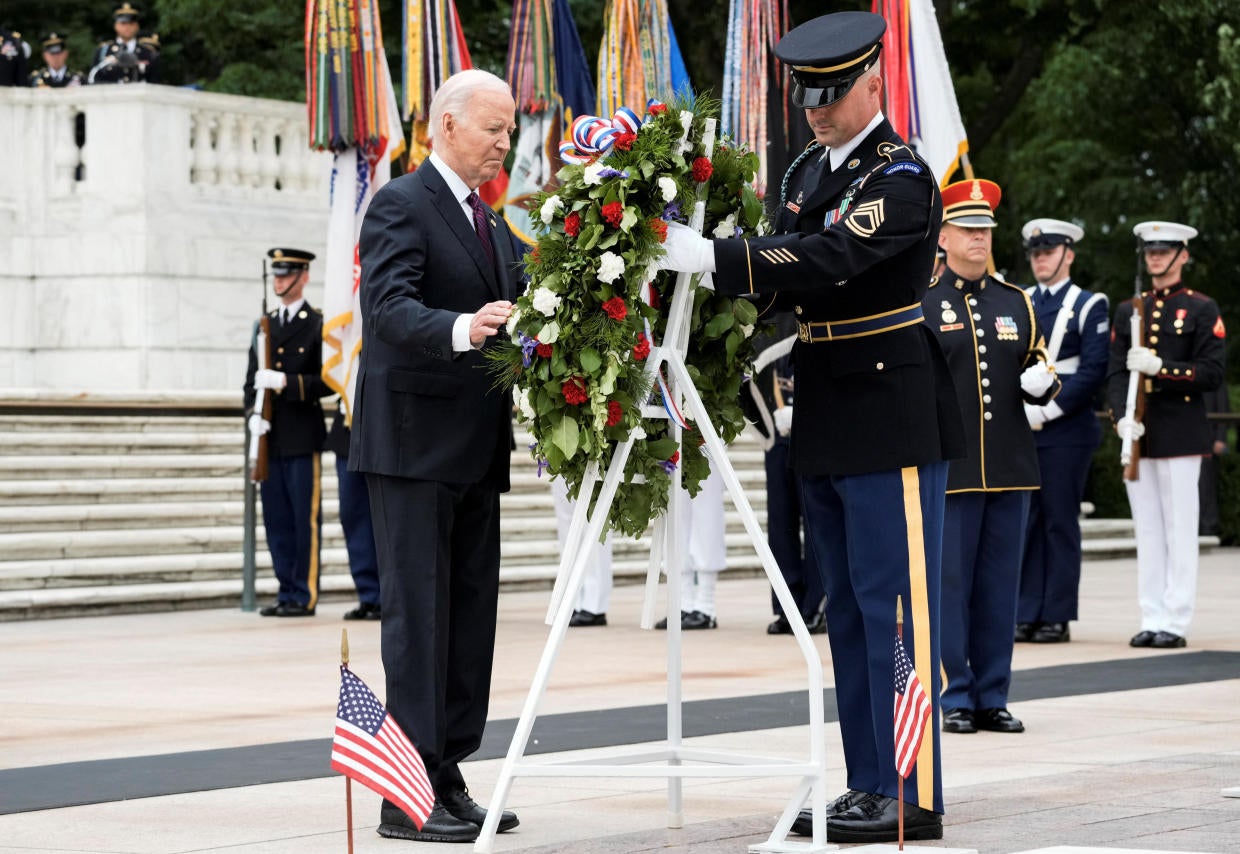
433, 437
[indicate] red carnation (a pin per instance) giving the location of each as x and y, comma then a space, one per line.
624, 142
674, 458
658, 109
574, 391
534, 255
642, 348
572, 224
659, 227
613, 212
616, 309
544, 350
702, 169
614, 413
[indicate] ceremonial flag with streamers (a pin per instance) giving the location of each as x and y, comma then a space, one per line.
921, 102
754, 26
912, 710
635, 59
370, 747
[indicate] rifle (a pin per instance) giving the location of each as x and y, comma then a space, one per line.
1134, 405
257, 454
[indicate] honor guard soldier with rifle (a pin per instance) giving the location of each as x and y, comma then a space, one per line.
995, 350
876, 417
14, 54
1167, 346
126, 58
1066, 431
289, 374
56, 73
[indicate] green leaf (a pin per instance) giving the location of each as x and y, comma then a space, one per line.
718, 325
628, 220
661, 449
731, 343
591, 361
746, 312
564, 436
549, 334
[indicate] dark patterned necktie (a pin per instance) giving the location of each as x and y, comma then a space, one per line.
481, 225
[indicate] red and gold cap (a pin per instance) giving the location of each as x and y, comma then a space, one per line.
971, 203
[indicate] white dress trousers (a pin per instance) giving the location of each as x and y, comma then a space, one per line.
596, 585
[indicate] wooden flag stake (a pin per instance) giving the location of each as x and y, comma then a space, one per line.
899, 776
348, 781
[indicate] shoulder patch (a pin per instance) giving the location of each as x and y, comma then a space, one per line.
909, 166
866, 218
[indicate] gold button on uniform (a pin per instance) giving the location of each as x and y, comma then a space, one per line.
279, 349
301, 349
279, 364
1158, 314
1153, 339
1154, 327
879, 366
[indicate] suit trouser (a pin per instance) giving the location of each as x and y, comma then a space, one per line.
875, 537
1164, 509
293, 524
783, 534
1050, 575
983, 540
595, 594
438, 547
359, 534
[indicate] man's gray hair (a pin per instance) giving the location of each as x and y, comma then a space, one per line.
453, 96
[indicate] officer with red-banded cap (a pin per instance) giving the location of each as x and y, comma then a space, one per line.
1077, 325
876, 417
1180, 357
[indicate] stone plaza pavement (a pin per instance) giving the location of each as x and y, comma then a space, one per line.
1125, 749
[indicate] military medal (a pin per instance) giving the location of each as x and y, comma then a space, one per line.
854, 163
1180, 314
949, 316
1005, 328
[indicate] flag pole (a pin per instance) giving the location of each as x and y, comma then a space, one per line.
899, 776
348, 781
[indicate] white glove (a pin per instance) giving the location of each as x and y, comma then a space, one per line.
1130, 428
686, 251
1036, 379
783, 420
1141, 359
1035, 415
275, 380
258, 425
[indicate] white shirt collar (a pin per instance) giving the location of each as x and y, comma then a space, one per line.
460, 190
292, 308
129, 45
840, 153
1055, 288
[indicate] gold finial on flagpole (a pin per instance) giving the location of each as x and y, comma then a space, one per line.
344, 646
899, 610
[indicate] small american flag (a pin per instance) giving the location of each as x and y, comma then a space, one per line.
370, 748
912, 709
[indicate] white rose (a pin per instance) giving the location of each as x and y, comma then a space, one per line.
546, 301
591, 176
727, 228
523, 404
511, 325
549, 207
668, 187
610, 267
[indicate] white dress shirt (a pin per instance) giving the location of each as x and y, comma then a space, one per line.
460, 191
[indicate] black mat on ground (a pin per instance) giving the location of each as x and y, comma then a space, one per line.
103, 781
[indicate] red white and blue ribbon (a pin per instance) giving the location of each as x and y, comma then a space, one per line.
593, 136
669, 404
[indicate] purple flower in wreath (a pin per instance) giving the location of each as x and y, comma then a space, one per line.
671, 212
608, 172
528, 346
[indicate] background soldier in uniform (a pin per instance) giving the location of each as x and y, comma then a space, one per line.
995, 351
295, 436
359, 533
876, 417
1181, 357
1066, 431
56, 74
14, 54
126, 58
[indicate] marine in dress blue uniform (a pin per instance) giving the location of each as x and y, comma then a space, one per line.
56, 74
295, 435
876, 418
990, 336
1180, 358
359, 532
1077, 325
127, 58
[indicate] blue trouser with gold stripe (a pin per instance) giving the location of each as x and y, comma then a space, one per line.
875, 537
293, 524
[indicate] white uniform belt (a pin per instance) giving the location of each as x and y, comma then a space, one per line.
1068, 365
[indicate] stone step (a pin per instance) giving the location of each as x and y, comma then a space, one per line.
130, 442
84, 423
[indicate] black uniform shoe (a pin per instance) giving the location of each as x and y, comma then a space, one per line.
876, 819
804, 824
698, 620
587, 618
817, 624
440, 825
959, 720
460, 805
997, 720
270, 610
662, 624
1143, 638
292, 609
780, 626
1051, 633
1024, 631
1167, 640
364, 612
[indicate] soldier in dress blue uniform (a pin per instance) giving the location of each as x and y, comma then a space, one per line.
768, 402
14, 54
1066, 430
1180, 357
56, 73
126, 58
876, 417
996, 353
295, 435
359, 532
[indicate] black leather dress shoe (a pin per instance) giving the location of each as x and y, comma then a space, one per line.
817, 624
364, 612
292, 609
804, 824
465, 808
1167, 640
587, 618
1142, 638
1024, 631
877, 819
440, 825
270, 610
997, 720
958, 720
662, 624
1051, 633
698, 620
779, 626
